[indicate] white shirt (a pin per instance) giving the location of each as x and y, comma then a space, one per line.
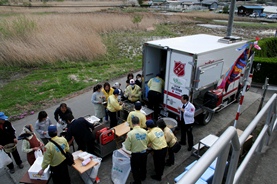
188, 114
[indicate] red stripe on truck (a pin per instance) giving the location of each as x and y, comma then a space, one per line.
172, 94
172, 108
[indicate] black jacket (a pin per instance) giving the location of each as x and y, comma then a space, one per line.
58, 113
7, 134
80, 129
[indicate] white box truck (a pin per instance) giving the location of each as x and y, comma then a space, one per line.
207, 68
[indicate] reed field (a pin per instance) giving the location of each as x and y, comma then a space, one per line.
48, 54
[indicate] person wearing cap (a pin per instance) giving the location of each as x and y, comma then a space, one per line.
81, 130
97, 99
171, 140
30, 143
41, 126
107, 91
187, 119
137, 113
53, 157
132, 92
136, 142
117, 85
154, 95
113, 107
7, 136
159, 146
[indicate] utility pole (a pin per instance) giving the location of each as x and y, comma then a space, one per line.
231, 18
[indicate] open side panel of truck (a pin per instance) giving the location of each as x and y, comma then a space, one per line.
178, 79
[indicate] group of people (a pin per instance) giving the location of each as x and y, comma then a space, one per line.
145, 135
108, 101
156, 137
79, 130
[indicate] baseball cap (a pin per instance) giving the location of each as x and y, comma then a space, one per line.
116, 92
52, 129
3, 116
150, 123
116, 85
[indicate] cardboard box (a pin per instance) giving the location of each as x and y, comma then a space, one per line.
35, 168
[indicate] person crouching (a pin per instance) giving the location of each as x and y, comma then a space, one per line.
30, 143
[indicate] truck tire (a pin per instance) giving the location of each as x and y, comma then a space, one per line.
205, 117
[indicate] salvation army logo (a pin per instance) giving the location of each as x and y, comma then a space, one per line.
179, 68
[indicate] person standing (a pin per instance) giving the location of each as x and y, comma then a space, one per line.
107, 91
113, 107
7, 135
30, 143
117, 85
139, 114
138, 80
132, 92
53, 157
171, 140
154, 95
42, 125
158, 143
187, 119
137, 142
97, 99
80, 129
60, 114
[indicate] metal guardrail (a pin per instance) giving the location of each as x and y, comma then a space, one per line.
221, 148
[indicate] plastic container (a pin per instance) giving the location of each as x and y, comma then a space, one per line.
170, 123
10, 147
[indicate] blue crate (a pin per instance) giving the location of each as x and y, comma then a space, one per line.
190, 165
200, 181
208, 175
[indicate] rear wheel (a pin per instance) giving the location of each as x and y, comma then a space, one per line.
205, 117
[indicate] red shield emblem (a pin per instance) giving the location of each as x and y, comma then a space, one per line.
179, 68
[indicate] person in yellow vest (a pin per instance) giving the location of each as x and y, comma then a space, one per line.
133, 92
107, 91
159, 146
154, 95
171, 140
139, 114
53, 157
136, 142
113, 107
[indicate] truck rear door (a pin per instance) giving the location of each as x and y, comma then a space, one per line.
178, 79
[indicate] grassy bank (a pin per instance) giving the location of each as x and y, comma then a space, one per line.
60, 55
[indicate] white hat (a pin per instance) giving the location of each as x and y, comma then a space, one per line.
132, 82
117, 85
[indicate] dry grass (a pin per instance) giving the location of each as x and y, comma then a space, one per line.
65, 37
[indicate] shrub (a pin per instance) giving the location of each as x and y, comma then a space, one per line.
3, 2
269, 48
267, 56
268, 66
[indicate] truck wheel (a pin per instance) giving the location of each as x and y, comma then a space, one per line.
206, 117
